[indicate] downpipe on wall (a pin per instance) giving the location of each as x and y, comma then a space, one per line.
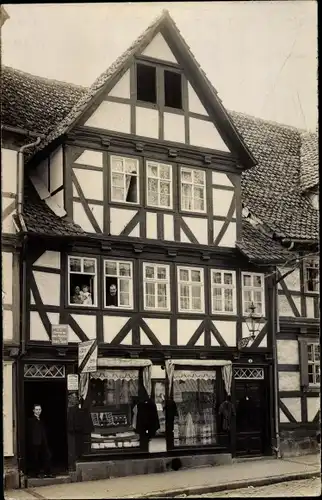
276, 327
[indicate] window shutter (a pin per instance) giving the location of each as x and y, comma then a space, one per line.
303, 363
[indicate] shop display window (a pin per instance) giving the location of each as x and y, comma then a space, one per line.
194, 395
113, 396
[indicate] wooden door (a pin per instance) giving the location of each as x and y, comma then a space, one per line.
252, 419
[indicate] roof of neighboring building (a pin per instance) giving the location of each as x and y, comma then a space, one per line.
39, 219
309, 173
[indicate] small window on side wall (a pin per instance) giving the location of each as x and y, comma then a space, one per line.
312, 275
146, 83
82, 281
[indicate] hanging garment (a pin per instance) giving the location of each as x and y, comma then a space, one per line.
190, 433
135, 416
226, 410
147, 422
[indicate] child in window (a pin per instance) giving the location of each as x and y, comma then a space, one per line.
85, 295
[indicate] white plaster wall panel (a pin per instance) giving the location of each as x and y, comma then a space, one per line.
221, 179
37, 329
81, 218
289, 381
7, 272
204, 134
157, 372
57, 209
160, 328
98, 212
7, 408
229, 238
168, 227
297, 302
227, 330
185, 329
283, 418
287, 352
159, 49
151, 225
122, 87
174, 128
90, 158
112, 325
49, 259
213, 341
294, 407
8, 171
58, 198
49, 287
72, 337
144, 339
56, 169
284, 307
195, 105
111, 116
147, 122
201, 340
75, 193
199, 228
91, 182
32, 300
309, 307
221, 201
128, 339
87, 323
7, 223
53, 318
7, 325
183, 237
263, 343
135, 233
313, 406
119, 219
292, 281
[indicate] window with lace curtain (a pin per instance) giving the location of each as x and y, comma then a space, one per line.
190, 289
159, 184
124, 179
223, 291
193, 190
253, 292
156, 279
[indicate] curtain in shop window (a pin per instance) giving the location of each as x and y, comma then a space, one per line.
146, 364
83, 385
227, 375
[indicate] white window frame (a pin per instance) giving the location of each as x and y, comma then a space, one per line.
223, 287
156, 281
189, 169
118, 277
159, 180
82, 258
137, 175
191, 283
252, 289
316, 265
313, 363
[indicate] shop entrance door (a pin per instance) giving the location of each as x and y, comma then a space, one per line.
252, 417
51, 396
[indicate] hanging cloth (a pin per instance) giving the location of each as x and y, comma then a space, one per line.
190, 433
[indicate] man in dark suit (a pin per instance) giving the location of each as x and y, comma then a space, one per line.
38, 445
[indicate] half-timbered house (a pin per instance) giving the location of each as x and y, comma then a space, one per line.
146, 224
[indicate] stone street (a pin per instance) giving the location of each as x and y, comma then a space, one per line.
303, 488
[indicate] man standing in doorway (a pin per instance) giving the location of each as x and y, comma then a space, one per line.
39, 450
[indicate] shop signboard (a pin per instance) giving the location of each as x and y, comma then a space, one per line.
87, 356
59, 334
72, 382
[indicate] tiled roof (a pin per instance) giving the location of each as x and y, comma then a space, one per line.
309, 174
271, 190
260, 248
33, 103
41, 220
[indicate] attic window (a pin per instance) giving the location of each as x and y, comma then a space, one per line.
172, 89
146, 83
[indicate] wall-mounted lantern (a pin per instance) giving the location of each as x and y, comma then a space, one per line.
253, 322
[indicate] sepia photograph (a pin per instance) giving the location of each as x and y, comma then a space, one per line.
160, 249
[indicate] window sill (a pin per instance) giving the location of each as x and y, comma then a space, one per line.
125, 204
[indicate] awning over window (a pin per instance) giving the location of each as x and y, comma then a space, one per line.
226, 368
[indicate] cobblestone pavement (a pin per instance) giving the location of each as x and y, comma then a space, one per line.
303, 488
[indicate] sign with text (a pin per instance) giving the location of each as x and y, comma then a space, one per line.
59, 334
87, 356
72, 382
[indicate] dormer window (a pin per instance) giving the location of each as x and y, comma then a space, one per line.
146, 86
312, 275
